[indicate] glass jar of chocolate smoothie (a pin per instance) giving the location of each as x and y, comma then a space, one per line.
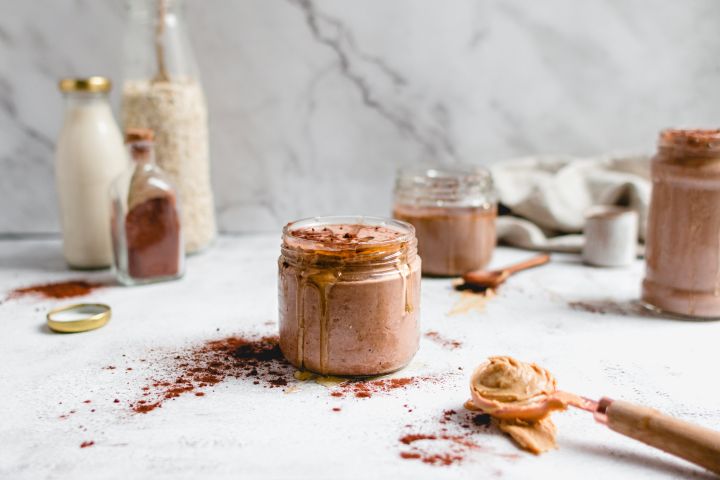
349, 295
453, 211
682, 243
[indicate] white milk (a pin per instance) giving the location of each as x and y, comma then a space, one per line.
89, 155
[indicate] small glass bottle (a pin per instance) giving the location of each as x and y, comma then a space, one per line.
682, 243
162, 91
453, 211
146, 226
349, 295
89, 155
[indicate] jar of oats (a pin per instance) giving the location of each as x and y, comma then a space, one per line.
162, 92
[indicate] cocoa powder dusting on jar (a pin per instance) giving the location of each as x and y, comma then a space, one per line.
57, 290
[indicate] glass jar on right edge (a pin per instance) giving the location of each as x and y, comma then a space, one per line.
682, 243
453, 210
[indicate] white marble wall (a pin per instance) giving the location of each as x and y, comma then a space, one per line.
315, 103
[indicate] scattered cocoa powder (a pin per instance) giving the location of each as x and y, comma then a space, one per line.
366, 388
408, 439
442, 341
447, 416
482, 420
65, 289
410, 455
611, 307
452, 448
449, 445
255, 359
212, 362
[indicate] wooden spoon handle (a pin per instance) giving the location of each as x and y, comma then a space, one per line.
529, 263
694, 443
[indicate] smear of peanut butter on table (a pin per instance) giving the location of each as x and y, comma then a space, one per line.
504, 381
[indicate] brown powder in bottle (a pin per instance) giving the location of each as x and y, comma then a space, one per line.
152, 223
153, 238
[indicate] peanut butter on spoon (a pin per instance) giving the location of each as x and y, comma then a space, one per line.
520, 396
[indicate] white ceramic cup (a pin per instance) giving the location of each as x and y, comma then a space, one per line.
611, 236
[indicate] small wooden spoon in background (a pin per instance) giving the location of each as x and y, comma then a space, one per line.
494, 278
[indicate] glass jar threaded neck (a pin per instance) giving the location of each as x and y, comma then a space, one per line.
349, 242
457, 186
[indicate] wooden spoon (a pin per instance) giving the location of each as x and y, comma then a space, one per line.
696, 444
162, 74
493, 278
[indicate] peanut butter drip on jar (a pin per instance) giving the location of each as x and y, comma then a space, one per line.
334, 245
502, 384
349, 267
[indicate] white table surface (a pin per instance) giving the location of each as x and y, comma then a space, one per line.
241, 430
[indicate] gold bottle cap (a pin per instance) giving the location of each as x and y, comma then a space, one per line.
89, 84
79, 317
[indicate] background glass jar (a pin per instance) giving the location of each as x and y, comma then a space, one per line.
349, 295
682, 243
453, 210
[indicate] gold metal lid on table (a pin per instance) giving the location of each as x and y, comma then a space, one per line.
90, 84
79, 317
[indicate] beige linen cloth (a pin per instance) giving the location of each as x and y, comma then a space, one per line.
549, 195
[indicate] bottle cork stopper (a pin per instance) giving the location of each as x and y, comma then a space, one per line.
139, 135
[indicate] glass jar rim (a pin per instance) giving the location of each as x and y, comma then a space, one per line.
406, 230
459, 185
466, 172
694, 139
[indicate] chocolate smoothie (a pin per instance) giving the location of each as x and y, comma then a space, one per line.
453, 210
451, 240
349, 295
683, 237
